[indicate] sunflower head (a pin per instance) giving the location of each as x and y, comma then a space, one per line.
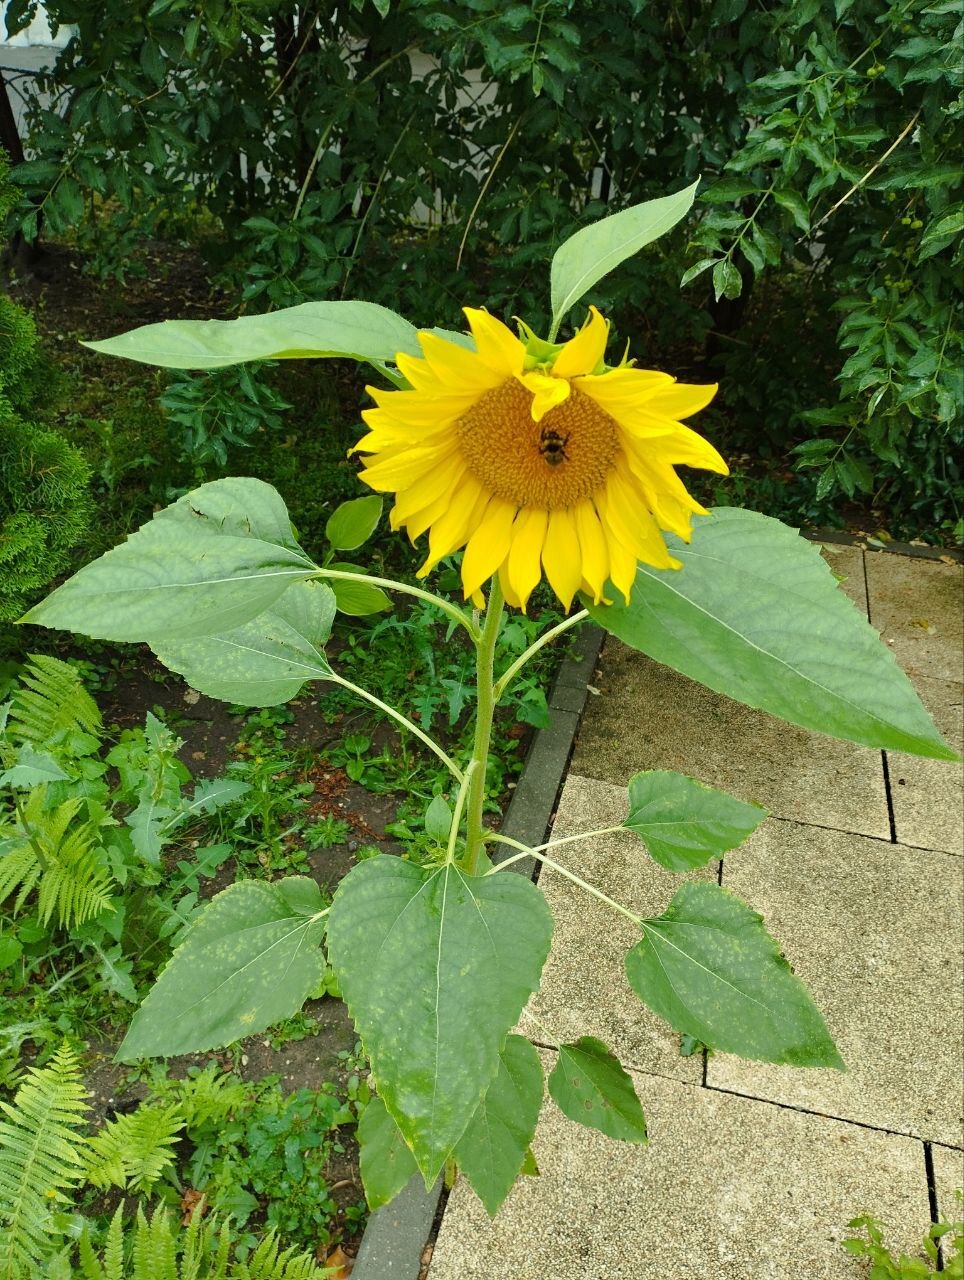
536, 457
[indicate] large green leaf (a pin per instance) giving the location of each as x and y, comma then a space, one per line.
708, 966
266, 660
590, 1086
358, 330
684, 823
594, 251
249, 960
755, 613
384, 1161
435, 967
218, 557
493, 1148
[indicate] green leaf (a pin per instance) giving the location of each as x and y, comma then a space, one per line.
248, 960
438, 819
755, 613
589, 1085
684, 823
696, 269
353, 522
708, 966
795, 205
594, 251
302, 895
31, 768
265, 661
218, 557
435, 966
492, 1150
357, 599
727, 281
357, 330
385, 1162
10, 951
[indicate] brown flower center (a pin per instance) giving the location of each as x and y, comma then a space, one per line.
550, 464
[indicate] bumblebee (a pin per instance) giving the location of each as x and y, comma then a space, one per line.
552, 446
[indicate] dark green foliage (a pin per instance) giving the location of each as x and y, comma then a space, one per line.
210, 411
824, 131
45, 504
45, 510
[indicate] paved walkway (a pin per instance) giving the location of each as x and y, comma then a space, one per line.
752, 1171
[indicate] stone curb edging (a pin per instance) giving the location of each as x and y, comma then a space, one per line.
396, 1235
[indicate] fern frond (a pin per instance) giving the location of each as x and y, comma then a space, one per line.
270, 1262
159, 1250
134, 1151
208, 1097
41, 1159
54, 851
52, 707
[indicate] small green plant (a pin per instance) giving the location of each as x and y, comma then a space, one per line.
134, 1151
212, 412
941, 1239
156, 1248
327, 831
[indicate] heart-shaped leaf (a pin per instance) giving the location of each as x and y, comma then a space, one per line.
435, 967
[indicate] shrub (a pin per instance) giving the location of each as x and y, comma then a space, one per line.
45, 510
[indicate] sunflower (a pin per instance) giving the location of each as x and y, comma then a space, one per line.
536, 456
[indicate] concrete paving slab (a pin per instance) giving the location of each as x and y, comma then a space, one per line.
948, 1183
928, 795
584, 990
727, 1189
648, 717
918, 607
874, 930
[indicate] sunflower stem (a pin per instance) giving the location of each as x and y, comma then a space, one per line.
527, 851
484, 710
397, 716
510, 673
472, 769
389, 584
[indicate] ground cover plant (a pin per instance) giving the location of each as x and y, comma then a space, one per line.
396, 151
562, 467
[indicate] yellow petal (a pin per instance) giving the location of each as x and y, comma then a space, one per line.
622, 562
525, 554
682, 400
585, 351
457, 366
547, 392
560, 556
625, 394
507, 591
442, 480
592, 543
633, 524
422, 520
498, 347
488, 546
449, 532
687, 448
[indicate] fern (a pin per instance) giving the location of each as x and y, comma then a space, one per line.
158, 1251
52, 707
41, 1158
206, 1098
55, 852
134, 1152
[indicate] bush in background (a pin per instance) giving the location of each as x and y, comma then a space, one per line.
396, 150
